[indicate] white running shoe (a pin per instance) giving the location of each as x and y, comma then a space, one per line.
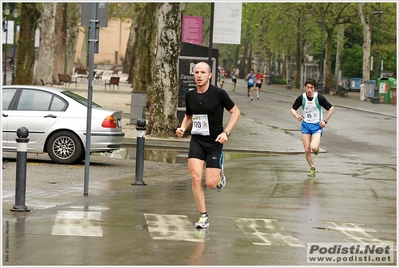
203, 222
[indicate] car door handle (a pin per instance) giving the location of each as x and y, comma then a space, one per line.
50, 115
5, 115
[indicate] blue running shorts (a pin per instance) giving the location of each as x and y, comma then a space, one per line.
311, 128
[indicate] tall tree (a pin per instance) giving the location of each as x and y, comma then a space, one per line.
44, 70
333, 14
84, 54
164, 89
366, 43
74, 14
143, 59
131, 55
155, 62
340, 45
26, 44
59, 39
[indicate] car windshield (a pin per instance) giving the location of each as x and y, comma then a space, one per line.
79, 99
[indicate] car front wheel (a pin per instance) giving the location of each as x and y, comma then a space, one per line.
64, 147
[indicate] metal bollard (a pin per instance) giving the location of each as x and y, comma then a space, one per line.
20, 187
140, 127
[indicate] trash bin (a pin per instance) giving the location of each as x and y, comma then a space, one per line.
384, 88
369, 87
137, 106
354, 84
393, 95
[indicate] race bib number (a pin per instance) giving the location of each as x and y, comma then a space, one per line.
250, 81
258, 81
310, 116
200, 125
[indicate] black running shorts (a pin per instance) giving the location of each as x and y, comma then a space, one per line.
210, 152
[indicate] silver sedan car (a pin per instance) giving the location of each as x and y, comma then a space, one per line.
56, 121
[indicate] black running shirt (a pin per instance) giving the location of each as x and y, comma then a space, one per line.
212, 103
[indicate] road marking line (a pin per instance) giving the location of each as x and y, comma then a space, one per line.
264, 232
355, 232
173, 227
77, 223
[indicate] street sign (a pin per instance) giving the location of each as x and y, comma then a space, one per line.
102, 14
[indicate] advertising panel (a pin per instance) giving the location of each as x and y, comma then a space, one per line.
192, 30
227, 23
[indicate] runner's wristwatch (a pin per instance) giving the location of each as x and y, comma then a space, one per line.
227, 133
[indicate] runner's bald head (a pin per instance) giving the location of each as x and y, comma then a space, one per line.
203, 64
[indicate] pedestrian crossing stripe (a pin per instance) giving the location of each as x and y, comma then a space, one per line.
264, 232
77, 223
355, 232
173, 227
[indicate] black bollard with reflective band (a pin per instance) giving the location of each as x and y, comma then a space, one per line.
20, 186
140, 127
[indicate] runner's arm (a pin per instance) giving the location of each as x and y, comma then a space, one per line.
329, 114
295, 106
235, 115
186, 124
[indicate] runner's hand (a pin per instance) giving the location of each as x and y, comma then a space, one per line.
222, 138
180, 132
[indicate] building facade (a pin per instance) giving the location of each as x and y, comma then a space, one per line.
112, 42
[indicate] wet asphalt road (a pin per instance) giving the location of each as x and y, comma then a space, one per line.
267, 214
257, 220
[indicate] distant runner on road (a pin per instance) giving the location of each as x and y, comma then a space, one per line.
259, 78
312, 120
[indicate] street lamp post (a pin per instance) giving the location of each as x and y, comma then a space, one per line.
5, 29
379, 13
15, 14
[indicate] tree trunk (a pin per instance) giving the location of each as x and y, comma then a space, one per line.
84, 55
26, 49
73, 22
328, 56
144, 51
340, 46
45, 62
164, 90
60, 35
366, 44
299, 55
127, 62
131, 50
